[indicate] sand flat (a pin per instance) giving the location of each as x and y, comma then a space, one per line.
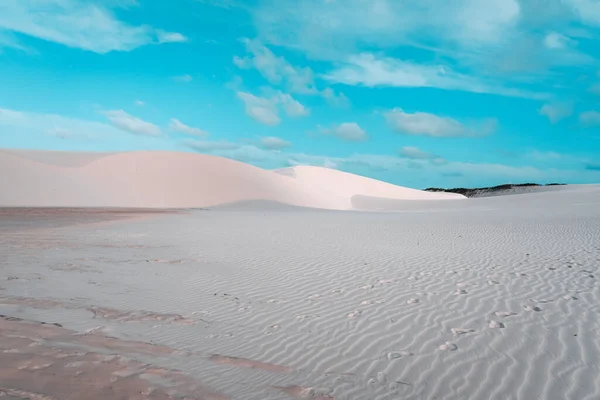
491, 298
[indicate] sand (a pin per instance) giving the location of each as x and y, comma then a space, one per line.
480, 299
160, 179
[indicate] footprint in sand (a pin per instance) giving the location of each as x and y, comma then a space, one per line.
394, 355
448, 346
274, 301
460, 291
245, 309
355, 314
272, 329
371, 302
412, 301
384, 281
337, 291
532, 308
504, 314
496, 325
367, 287
461, 331
314, 297
304, 317
380, 379
541, 301
569, 297
493, 282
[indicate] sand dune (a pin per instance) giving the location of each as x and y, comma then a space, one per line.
177, 180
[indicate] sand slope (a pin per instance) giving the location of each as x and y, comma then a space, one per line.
151, 179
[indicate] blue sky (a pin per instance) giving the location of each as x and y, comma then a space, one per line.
416, 92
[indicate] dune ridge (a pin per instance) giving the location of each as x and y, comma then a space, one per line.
162, 179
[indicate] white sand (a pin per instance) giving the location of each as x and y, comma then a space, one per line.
177, 180
482, 299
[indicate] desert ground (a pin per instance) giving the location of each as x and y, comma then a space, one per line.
369, 291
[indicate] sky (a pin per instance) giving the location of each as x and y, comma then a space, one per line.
418, 93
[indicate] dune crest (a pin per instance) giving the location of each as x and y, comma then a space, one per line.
162, 179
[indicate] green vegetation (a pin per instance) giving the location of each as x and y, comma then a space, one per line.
473, 192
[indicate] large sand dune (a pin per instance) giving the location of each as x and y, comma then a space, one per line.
177, 180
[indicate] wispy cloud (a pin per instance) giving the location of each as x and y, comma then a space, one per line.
178, 126
590, 118
210, 145
182, 78
170, 37
291, 106
266, 109
274, 143
261, 109
79, 24
278, 71
349, 131
371, 71
426, 124
415, 153
131, 124
502, 47
557, 111
55, 126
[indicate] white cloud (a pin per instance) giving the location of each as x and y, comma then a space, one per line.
590, 118
292, 107
170, 37
425, 124
367, 70
210, 145
139, 103
178, 126
587, 10
538, 155
415, 153
278, 71
349, 131
11, 115
55, 126
266, 110
274, 143
336, 100
261, 109
595, 89
492, 46
131, 124
67, 134
183, 78
77, 23
557, 111
554, 40
324, 29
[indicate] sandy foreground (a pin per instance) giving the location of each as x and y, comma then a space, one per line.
492, 298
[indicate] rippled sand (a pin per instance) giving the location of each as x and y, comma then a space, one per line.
493, 298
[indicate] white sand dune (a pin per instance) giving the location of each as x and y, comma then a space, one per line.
177, 180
